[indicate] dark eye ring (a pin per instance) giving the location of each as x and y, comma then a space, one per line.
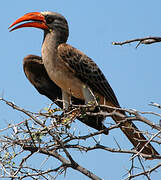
49, 20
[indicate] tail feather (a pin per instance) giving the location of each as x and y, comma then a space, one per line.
135, 136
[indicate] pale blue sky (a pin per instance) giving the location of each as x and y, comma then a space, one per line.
133, 74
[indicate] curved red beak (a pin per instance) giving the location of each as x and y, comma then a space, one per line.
36, 18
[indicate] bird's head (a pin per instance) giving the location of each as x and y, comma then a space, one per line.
48, 21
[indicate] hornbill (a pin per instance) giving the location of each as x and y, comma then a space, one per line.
36, 73
76, 74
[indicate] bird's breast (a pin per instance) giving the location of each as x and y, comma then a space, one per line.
64, 78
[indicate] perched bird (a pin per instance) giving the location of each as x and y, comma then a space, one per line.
75, 73
36, 73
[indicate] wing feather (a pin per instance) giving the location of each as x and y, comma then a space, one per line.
86, 70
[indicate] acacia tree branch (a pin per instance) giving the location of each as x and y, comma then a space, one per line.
147, 143
145, 172
147, 175
66, 163
11, 104
136, 114
39, 134
23, 160
33, 149
114, 150
145, 40
155, 105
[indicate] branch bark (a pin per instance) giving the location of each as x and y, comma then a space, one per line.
145, 40
39, 135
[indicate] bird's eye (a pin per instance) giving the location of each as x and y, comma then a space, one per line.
49, 20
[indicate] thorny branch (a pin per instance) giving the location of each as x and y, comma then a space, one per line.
40, 133
146, 40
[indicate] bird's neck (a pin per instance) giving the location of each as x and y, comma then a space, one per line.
55, 37
49, 51
51, 41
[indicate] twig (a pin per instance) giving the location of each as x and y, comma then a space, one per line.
23, 160
63, 160
22, 110
143, 168
155, 105
57, 141
146, 172
146, 144
146, 40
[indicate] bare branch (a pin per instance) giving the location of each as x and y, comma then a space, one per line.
155, 105
145, 172
146, 40
49, 133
